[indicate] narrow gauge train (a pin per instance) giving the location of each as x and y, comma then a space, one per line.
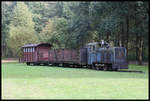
96, 55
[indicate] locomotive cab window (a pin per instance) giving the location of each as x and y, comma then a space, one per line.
90, 48
94, 47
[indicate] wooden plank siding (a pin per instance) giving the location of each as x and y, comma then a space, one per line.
36, 52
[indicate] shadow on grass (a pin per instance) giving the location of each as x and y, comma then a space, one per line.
15, 70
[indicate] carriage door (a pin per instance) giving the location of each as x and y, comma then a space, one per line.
40, 55
43, 54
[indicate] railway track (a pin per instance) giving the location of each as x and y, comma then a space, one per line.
134, 71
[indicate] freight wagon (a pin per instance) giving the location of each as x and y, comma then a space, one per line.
67, 57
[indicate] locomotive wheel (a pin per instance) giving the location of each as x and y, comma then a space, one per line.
105, 68
110, 68
96, 68
93, 66
89, 67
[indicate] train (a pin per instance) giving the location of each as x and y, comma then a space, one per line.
96, 55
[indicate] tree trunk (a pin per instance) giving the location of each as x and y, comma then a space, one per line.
122, 35
107, 37
127, 34
140, 52
99, 36
3, 51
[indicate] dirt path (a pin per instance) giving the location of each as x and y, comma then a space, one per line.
9, 60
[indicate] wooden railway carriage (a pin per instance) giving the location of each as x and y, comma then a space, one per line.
36, 53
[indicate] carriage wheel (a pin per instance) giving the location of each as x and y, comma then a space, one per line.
28, 63
36, 64
116, 69
96, 68
45, 64
105, 68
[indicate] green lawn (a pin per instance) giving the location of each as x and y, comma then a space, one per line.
42, 82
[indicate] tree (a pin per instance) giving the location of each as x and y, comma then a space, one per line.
74, 24
55, 32
6, 18
21, 28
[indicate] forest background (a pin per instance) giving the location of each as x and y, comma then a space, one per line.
74, 24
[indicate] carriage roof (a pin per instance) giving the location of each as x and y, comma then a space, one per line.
36, 45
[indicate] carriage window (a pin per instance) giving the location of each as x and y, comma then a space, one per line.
32, 49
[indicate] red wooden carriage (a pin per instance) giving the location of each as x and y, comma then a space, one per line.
36, 53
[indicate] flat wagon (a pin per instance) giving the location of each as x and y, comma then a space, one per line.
67, 57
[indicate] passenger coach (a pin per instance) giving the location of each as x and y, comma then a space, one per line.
36, 53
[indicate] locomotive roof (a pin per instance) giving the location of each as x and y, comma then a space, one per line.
94, 43
35, 45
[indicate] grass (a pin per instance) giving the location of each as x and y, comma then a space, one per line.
42, 82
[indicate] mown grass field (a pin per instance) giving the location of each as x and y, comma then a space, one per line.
20, 81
